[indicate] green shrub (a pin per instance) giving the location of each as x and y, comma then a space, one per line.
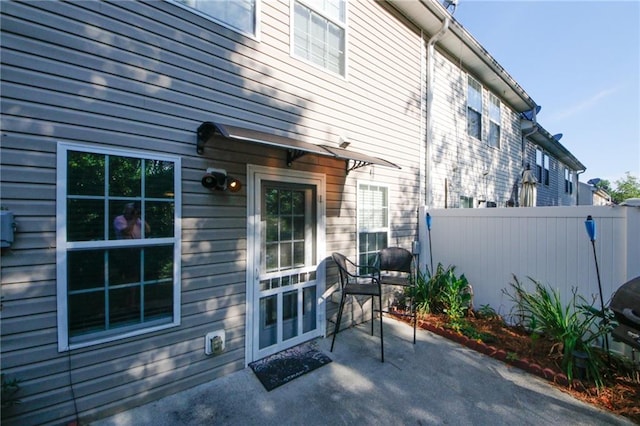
574, 326
441, 293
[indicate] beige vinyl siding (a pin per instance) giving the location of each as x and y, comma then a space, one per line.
143, 76
462, 159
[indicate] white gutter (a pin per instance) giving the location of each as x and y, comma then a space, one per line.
430, 89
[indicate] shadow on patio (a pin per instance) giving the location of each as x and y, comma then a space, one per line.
435, 381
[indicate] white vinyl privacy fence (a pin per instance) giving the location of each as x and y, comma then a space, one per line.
548, 244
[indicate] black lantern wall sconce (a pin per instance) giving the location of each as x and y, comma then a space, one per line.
218, 180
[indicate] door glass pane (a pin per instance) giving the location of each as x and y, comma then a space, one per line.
289, 314
268, 321
308, 309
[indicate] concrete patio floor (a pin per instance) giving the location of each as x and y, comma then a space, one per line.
435, 381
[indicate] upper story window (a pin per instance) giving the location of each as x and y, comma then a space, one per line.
319, 33
373, 221
542, 167
237, 14
466, 202
568, 181
118, 247
494, 121
474, 108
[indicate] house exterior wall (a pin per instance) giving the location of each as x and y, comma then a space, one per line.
143, 76
463, 165
553, 194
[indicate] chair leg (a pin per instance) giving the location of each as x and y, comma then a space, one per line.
381, 339
338, 320
372, 314
414, 315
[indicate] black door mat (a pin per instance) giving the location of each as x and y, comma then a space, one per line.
282, 367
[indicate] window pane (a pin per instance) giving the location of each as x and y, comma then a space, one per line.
271, 257
158, 263
127, 220
85, 173
85, 220
86, 312
272, 229
271, 202
124, 266
286, 228
86, 269
494, 135
159, 179
298, 254
298, 227
158, 301
316, 38
286, 260
474, 123
286, 202
239, 14
289, 314
309, 309
124, 306
159, 218
125, 176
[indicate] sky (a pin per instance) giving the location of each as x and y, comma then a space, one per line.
579, 60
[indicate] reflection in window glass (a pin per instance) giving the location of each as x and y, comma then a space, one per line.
474, 108
285, 231
239, 14
373, 221
319, 33
121, 198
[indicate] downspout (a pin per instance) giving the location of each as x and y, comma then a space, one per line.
429, 95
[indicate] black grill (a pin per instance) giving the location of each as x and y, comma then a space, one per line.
626, 306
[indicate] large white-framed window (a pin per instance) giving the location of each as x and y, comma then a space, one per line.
373, 220
320, 32
474, 108
495, 118
118, 243
238, 15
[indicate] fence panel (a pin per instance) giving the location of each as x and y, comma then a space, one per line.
548, 244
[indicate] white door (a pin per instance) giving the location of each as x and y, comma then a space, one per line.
285, 248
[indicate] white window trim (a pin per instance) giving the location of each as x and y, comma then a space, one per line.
62, 245
344, 25
481, 111
493, 97
359, 229
257, 18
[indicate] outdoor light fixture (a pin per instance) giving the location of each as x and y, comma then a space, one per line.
218, 180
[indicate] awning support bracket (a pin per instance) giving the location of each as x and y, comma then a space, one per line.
355, 164
205, 132
293, 155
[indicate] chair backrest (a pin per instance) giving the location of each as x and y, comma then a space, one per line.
341, 261
396, 259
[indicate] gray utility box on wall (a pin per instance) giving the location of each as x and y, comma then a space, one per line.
7, 228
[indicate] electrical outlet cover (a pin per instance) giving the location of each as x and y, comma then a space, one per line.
209, 347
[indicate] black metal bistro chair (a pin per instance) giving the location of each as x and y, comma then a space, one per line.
396, 266
358, 280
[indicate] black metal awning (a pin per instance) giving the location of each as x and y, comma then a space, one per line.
295, 148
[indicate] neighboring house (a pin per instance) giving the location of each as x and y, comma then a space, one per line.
590, 195
556, 169
181, 168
